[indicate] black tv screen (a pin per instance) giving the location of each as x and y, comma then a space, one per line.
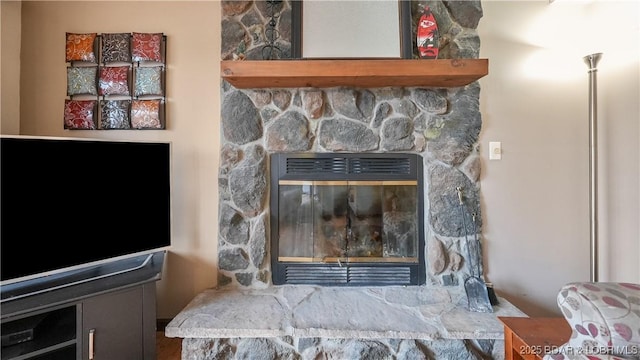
68, 202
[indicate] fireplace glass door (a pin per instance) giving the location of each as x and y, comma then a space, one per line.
348, 221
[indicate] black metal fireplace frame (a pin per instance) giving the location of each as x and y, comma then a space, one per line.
353, 167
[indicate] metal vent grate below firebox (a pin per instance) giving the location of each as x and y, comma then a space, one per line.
354, 275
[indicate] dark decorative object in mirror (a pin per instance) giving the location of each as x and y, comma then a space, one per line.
271, 50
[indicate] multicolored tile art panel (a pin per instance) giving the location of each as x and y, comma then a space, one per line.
115, 81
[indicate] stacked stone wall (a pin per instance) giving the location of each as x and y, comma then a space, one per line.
441, 125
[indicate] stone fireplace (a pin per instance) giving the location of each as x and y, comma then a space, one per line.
278, 227
440, 125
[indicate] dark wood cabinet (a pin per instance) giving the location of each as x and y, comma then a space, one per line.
113, 326
47, 334
104, 319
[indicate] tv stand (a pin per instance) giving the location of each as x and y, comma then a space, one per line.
108, 317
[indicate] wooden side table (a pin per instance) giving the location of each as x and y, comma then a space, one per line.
531, 338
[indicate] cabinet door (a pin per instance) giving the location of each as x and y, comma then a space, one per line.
112, 326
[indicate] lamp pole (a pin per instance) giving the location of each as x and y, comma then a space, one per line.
592, 62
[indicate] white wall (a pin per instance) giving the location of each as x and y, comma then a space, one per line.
193, 112
535, 101
10, 22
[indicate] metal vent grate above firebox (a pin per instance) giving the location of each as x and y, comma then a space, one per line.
318, 165
398, 166
356, 165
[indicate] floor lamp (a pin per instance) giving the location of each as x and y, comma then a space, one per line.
592, 62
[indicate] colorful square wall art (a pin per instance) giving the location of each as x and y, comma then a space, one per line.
148, 81
79, 114
116, 47
115, 114
145, 114
146, 47
81, 80
80, 47
114, 80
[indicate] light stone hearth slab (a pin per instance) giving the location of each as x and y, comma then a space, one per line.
389, 312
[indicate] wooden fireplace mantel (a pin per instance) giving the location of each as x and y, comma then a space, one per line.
365, 73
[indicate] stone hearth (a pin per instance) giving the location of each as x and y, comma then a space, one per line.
307, 322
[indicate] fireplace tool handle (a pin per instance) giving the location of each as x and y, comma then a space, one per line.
490, 291
476, 289
466, 235
476, 249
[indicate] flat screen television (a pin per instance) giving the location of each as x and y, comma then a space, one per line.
69, 203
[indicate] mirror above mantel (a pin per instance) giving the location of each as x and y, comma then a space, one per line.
365, 73
319, 28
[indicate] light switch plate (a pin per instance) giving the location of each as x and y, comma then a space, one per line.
495, 150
